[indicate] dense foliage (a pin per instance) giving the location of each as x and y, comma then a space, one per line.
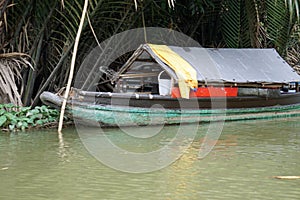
44, 32
14, 118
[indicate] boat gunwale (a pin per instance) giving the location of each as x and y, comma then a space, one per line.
56, 100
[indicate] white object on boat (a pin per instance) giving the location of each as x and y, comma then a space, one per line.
164, 85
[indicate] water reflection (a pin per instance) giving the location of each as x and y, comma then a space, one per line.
241, 166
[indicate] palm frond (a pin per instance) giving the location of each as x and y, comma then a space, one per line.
293, 57
294, 9
232, 23
252, 25
171, 3
293, 48
10, 77
277, 23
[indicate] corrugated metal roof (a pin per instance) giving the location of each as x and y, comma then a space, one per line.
228, 65
238, 65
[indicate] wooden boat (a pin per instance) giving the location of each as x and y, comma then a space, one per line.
157, 86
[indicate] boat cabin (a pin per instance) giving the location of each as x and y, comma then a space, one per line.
189, 72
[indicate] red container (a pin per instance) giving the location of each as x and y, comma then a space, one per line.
175, 93
209, 92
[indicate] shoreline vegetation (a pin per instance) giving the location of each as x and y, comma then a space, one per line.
36, 52
16, 118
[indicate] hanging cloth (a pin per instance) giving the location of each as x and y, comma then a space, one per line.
186, 74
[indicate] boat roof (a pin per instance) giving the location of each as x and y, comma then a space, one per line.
227, 64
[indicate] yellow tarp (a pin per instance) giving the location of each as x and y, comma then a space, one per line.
187, 75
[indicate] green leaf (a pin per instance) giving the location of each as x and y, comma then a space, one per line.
52, 119
19, 124
30, 121
9, 106
39, 122
14, 122
2, 112
37, 116
11, 127
32, 112
11, 117
3, 119
24, 119
25, 109
25, 124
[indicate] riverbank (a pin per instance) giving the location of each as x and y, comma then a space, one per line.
15, 118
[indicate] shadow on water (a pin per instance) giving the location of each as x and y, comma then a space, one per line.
33, 165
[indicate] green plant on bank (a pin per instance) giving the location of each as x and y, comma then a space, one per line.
14, 118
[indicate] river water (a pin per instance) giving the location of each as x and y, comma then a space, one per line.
242, 165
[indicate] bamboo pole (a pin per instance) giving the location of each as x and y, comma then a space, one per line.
66, 95
287, 177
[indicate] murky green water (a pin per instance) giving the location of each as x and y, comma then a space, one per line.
241, 166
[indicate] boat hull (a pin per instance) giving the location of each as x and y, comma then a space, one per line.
122, 116
111, 109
